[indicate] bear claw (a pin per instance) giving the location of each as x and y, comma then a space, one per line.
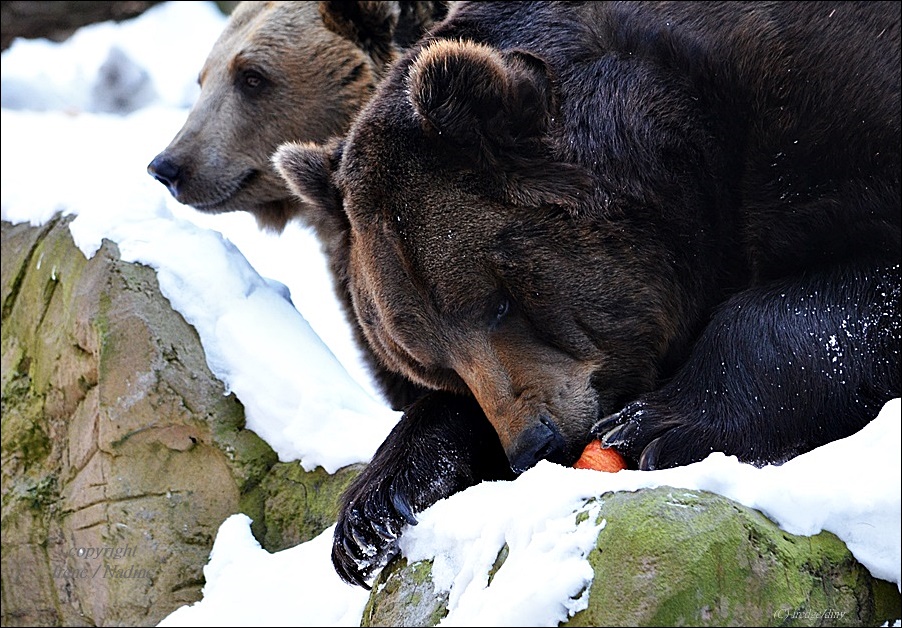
619, 436
402, 506
383, 531
648, 461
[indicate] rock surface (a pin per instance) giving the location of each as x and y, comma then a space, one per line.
121, 452
672, 557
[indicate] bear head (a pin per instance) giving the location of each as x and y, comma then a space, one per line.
473, 265
280, 70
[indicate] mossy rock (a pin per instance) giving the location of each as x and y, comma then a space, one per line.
676, 557
299, 505
116, 434
404, 595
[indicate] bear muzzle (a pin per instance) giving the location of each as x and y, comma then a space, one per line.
542, 441
167, 172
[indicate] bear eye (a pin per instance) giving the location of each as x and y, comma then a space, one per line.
501, 311
251, 82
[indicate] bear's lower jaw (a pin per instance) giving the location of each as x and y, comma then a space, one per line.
220, 203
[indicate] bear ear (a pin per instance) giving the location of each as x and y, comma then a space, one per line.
481, 99
369, 25
307, 170
496, 109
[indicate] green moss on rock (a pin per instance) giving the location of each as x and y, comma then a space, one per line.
300, 504
404, 595
25, 441
499, 561
673, 557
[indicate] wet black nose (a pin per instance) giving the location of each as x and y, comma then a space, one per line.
539, 442
166, 172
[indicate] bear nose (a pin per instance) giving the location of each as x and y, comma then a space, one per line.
166, 172
542, 441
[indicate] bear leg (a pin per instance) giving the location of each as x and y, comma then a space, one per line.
442, 444
780, 369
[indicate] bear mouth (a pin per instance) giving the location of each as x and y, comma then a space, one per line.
231, 190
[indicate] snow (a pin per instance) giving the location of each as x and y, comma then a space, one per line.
274, 334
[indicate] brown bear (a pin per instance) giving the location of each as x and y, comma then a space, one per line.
286, 70
671, 225
281, 70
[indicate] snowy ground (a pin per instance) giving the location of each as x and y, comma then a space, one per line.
265, 312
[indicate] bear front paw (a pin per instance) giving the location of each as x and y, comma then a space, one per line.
367, 531
442, 445
651, 437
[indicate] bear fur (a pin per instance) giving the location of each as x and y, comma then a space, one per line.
280, 71
674, 226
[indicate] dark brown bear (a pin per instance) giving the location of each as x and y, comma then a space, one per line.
675, 226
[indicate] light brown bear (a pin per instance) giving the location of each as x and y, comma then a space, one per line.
283, 71
280, 71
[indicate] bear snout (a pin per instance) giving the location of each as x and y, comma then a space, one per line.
542, 441
166, 171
